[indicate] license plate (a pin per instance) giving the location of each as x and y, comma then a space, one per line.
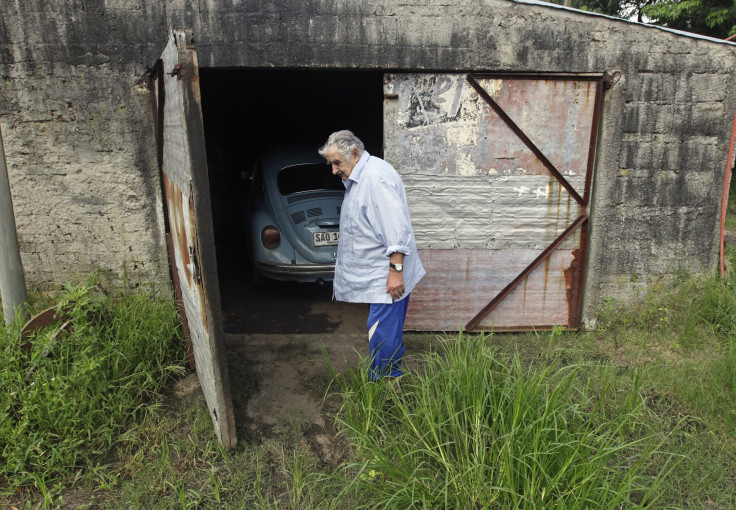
326, 238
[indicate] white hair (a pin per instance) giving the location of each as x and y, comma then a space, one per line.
345, 141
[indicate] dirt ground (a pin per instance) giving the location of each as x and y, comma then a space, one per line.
275, 339
276, 378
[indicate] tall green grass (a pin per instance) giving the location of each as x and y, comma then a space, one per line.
94, 381
686, 336
476, 428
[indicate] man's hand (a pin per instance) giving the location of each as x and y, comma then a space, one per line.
395, 280
395, 284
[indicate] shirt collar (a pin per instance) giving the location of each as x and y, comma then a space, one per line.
358, 169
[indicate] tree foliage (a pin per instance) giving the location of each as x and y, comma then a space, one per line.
629, 9
715, 18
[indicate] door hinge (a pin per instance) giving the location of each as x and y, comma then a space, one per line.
176, 71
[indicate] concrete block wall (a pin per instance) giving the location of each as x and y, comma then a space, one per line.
661, 166
75, 117
79, 134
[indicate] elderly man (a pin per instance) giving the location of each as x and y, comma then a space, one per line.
377, 259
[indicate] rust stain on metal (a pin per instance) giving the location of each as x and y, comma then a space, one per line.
196, 276
542, 256
180, 303
524, 138
177, 223
447, 308
572, 276
510, 128
593, 139
184, 242
588, 88
575, 292
176, 71
185, 175
177, 232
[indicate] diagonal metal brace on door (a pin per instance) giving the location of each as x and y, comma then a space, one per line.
527, 141
526, 272
580, 221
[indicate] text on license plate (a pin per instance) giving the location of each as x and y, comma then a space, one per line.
326, 238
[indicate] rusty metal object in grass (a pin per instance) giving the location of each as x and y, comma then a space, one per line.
40, 321
45, 319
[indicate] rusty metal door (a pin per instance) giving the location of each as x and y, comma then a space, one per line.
181, 150
498, 172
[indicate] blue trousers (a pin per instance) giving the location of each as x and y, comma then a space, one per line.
386, 338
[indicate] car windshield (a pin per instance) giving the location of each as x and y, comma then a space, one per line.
307, 177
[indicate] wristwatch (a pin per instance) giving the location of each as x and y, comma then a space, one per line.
398, 267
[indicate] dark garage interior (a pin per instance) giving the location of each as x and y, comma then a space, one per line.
243, 111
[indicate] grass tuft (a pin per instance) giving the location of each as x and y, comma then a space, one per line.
671, 328
67, 400
475, 428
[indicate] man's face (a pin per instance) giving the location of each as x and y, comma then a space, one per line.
340, 166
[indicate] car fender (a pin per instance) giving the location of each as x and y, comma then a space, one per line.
284, 254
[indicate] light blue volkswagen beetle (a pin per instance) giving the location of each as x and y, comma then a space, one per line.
294, 216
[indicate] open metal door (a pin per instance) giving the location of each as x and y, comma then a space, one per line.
498, 171
175, 93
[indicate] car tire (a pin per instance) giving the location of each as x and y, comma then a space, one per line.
259, 281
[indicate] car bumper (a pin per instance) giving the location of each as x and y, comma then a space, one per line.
287, 271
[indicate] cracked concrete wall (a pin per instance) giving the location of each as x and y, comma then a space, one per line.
76, 121
78, 132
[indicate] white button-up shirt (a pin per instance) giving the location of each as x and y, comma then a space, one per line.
374, 223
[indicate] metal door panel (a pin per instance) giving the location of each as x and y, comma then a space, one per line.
444, 112
556, 115
459, 282
497, 171
188, 211
490, 212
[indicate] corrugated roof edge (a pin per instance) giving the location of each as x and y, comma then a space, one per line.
580, 11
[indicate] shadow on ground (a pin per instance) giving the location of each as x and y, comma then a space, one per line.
275, 338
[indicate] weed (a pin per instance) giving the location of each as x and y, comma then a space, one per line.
86, 387
475, 429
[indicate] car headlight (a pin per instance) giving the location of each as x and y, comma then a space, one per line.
270, 237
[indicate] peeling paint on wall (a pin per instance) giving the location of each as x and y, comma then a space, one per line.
454, 132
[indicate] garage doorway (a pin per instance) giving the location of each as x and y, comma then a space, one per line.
208, 139
243, 111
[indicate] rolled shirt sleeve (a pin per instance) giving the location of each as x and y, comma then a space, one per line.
389, 216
